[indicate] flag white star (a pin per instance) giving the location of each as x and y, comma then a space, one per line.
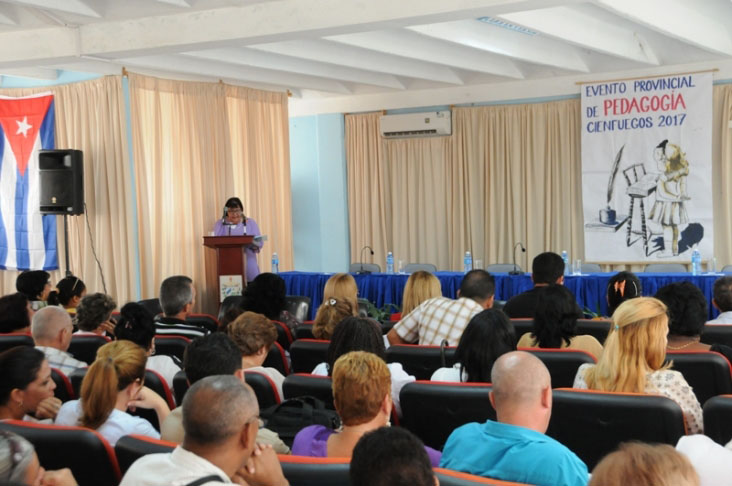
23, 126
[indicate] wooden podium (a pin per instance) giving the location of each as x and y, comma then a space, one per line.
225, 256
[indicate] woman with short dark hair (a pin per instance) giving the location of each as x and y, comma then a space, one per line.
36, 286
15, 313
26, 386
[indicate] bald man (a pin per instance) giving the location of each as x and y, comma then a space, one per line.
515, 448
220, 418
51, 328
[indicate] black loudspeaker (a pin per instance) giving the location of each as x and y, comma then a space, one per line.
62, 181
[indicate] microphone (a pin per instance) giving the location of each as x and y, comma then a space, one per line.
362, 271
515, 270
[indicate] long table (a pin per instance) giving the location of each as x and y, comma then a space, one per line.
383, 288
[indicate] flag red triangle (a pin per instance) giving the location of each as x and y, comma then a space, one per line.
21, 120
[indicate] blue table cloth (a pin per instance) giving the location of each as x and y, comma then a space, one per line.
589, 289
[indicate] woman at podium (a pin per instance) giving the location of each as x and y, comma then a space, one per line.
235, 223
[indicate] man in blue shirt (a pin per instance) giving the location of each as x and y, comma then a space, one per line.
515, 448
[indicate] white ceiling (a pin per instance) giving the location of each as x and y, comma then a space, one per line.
334, 48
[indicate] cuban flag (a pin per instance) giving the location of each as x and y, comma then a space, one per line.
27, 238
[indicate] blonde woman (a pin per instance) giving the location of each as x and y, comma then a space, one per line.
420, 286
114, 383
644, 465
633, 360
340, 300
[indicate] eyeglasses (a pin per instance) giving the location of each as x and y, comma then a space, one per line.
233, 210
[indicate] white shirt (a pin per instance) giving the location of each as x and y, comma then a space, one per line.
723, 318
399, 378
118, 423
176, 468
449, 374
437, 319
712, 462
61, 360
273, 375
164, 366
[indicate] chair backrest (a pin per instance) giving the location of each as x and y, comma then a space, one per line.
591, 268
597, 328
63, 391
522, 326
264, 388
298, 306
665, 268
304, 331
416, 267
727, 269
368, 267
153, 305
171, 345
316, 471
207, 321
634, 173
562, 363
277, 359
90, 458
130, 448
708, 373
714, 334
448, 477
432, 410
502, 268
306, 354
593, 423
419, 360
13, 339
302, 384
84, 347
180, 386
718, 418
284, 335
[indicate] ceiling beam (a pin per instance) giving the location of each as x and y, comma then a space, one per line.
33, 73
78, 7
177, 3
414, 46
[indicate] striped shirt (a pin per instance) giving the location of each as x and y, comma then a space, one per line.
177, 327
437, 319
61, 360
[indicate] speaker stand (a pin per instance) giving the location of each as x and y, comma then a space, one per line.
66, 244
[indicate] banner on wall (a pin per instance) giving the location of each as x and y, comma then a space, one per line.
27, 238
647, 169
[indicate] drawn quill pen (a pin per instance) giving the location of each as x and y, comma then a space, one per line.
613, 173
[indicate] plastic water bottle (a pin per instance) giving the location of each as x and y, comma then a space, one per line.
390, 262
565, 257
695, 262
467, 262
275, 263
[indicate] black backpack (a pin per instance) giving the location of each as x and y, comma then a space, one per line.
294, 414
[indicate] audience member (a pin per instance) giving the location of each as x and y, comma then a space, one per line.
363, 334
555, 323
488, 335
114, 383
26, 386
546, 269
19, 464
420, 286
220, 417
177, 298
69, 292
687, 315
266, 295
710, 460
36, 286
362, 398
137, 324
441, 318
94, 315
15, 313
515, 448
52, 330
215, 354
621, 287
340, 300
633, 359
722, 300
391, 456
254, 335
640, 464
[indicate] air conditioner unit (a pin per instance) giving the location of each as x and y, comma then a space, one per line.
434, 123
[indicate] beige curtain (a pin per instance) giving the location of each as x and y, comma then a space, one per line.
508, 173
90, 117
195, 145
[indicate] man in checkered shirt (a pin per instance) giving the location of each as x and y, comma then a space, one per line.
442, 318
51, 329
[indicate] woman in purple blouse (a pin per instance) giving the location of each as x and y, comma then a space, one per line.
235, 223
